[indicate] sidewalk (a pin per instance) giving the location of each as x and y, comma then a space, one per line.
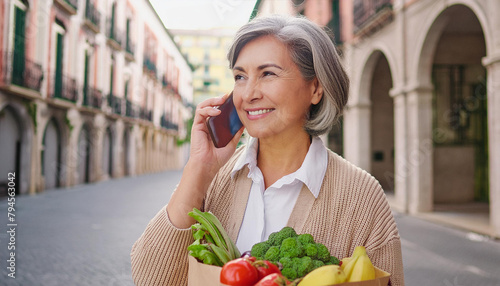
472, 217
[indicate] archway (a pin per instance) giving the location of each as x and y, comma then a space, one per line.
382, 124
460, 131
84, 155
125, 151
51, 155
10, 140
107, 153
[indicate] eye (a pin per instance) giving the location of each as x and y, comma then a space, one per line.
238, 77
268, 73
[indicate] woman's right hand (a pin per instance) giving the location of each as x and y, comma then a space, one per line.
204, 162
203, 152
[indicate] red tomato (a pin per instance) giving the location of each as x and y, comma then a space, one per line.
265, 268
239, 272
274, 279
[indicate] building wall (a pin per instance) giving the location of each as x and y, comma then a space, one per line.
110, 87
207, 51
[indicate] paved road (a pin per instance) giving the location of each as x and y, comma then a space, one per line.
82, 236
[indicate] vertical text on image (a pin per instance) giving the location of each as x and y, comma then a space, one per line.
12, 224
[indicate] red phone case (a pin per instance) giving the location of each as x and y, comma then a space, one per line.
224, 126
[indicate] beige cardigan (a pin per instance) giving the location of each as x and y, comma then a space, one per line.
351, 210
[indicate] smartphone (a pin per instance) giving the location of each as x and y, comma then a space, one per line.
224, 126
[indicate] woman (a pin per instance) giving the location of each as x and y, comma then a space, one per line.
289, 88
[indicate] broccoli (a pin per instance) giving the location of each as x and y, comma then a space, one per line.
334, 260
276, 238
286, 262
304, 265
289, 273
272, 254
311, 250
305, 238
317, 264
323, 253
259, 249
291, 247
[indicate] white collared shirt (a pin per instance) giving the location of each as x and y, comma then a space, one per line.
268, 209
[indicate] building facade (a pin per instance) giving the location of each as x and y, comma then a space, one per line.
89, 90
423, 113
207, 50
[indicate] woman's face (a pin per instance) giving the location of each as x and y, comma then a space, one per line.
270, 94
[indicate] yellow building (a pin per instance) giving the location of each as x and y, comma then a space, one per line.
206, 50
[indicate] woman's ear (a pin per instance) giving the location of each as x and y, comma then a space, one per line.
317, 91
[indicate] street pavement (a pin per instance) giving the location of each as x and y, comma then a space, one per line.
82, 236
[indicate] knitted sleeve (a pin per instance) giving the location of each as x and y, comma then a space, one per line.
159, 256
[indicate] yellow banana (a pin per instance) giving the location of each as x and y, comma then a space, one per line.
324, 275
362, 270
345, 261
358, 267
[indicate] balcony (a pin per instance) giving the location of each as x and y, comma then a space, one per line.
166, 123
64, 87
115, 103
92, 17
70, 6
131, 109
149, 65
130, 49
145, 114
21, 72
115, 36
370, 16
92, 97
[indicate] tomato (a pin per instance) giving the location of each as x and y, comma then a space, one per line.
274, 279
265, 268
239, 272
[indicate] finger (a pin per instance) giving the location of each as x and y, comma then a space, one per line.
214, 101
237, 136
202, 114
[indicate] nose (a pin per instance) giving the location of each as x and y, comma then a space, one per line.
252, 92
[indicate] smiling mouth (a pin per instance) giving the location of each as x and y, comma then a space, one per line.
259, 112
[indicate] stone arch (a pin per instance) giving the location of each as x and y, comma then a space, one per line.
84, 153
433, 27
22, 156
51, 154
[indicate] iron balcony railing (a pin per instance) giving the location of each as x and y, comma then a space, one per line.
149, 64
131, 110
130, 46
364, 11
92, 97
116, 104
113, 33
72, 3
64, 87
92, 14
21, 71
145, 114
167, 123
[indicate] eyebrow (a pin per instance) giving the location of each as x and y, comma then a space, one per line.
259, 67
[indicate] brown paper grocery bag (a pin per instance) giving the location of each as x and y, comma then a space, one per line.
200, 274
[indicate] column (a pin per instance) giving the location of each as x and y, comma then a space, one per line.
492, 65
420, 149
401, 171
357, 136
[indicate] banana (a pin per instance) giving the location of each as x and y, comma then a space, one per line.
324, 275
358, 267
345, 261
363, 270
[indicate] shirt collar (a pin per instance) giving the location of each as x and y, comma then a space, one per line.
311, 172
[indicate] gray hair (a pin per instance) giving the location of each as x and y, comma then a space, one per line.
315, 55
